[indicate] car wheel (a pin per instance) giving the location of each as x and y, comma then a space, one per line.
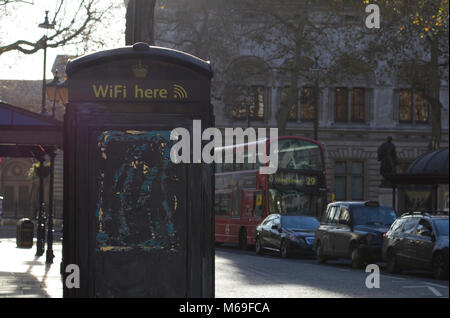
440, 267
284, 249
319, 253
258, 247
243, 239
392, 263
357, 261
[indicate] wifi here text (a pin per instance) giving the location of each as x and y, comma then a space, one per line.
138, 92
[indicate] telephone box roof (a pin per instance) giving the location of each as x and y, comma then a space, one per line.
140, 50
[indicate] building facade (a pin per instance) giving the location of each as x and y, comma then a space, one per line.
358, 106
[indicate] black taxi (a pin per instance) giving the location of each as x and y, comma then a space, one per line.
353, 230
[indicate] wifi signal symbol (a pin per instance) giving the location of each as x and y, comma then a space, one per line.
179, 92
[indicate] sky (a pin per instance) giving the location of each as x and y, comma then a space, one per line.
21, 22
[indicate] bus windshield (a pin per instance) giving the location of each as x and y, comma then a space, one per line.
299, 154
295, 202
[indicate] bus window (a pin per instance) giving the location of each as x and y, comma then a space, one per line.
258, 204
249, 161
299, 154
218, 167
222, 204
247, 202
227, 167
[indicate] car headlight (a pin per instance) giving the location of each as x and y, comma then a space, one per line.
297, 239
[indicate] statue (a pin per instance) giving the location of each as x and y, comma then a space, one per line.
388, 157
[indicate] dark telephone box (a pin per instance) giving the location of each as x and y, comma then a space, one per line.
135, 223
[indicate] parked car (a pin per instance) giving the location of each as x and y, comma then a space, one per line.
353, 230
418, 241
287, 235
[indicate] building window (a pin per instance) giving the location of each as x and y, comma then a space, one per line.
293, 110
422, 108
358, 104
349, 180
248, 99
308, 104
340, 104
405, 105
412, 102
340, 180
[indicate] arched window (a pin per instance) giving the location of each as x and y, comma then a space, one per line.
247, 91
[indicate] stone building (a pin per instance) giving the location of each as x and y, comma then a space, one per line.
357, 110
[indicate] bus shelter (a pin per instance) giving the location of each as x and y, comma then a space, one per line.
424, 185
25, 134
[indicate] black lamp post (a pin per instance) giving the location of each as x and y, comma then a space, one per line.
50, 230
316, 69
40, 246
45, 25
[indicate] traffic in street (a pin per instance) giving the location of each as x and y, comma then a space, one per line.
245, 274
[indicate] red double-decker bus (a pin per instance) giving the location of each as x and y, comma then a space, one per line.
244, 197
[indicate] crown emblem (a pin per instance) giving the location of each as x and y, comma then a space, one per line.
139, 70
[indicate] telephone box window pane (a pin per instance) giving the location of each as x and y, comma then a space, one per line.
405, 105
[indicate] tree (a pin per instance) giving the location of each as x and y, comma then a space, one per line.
203, 28
422, 24
72, 25
293, 34
140, 21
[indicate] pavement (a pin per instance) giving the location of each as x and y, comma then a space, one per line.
24, 275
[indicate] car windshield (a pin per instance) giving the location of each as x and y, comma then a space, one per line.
299, 222
364, 215
442, 226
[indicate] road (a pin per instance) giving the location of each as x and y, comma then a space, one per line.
243, 274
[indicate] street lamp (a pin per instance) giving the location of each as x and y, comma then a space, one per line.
62, 92
316, 69
45, 25
57, 92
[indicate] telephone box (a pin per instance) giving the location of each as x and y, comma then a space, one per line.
135, 223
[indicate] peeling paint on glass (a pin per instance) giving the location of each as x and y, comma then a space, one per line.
135, 210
